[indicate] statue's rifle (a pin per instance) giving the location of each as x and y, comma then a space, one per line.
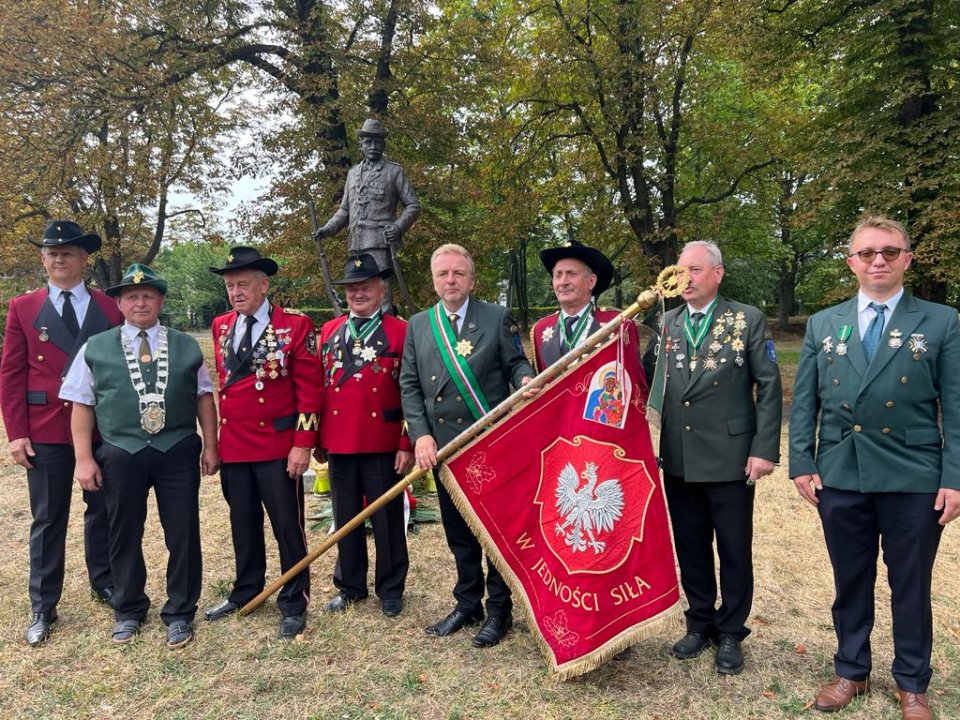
670, 283
395, 261
324, 265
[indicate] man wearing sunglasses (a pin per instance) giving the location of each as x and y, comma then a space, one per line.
876, 373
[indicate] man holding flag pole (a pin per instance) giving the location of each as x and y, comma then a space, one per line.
459, 360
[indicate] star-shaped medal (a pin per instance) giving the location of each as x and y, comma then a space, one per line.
464, 348
547, 334
368, 354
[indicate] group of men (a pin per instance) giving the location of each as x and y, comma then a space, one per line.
872, 435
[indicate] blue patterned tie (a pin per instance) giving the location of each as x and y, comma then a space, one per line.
871, 338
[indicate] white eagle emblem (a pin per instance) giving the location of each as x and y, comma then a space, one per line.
587, 510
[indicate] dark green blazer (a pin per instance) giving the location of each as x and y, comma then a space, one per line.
431, 402
878, 423
712, 422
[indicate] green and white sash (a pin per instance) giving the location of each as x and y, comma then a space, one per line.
456, 363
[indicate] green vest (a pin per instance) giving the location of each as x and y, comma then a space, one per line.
117, 405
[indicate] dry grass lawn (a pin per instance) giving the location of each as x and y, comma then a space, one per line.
362, 665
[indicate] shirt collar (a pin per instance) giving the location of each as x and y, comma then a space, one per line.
565, 314
461, 313
78, 291
691, 309
262, 315
863, 302
133, 332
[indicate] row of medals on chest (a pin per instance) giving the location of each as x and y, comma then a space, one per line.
265, 361
728, 328
917, 344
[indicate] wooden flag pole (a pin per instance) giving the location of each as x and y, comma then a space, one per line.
670, 283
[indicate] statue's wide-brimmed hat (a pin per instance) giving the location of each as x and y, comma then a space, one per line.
593, 258
246, 258
58, 233
138, 275
362, 267
372, 128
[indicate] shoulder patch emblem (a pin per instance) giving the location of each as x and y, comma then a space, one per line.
311, 342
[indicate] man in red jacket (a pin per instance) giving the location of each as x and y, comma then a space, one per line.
44, 330
361, 428
270, 389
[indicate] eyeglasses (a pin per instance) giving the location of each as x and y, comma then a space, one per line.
889, 254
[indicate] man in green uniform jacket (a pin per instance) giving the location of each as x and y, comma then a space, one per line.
876, 371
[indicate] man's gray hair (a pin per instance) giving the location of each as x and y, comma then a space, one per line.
713, 250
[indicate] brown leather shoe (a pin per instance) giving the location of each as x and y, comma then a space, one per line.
840, 692
914, 706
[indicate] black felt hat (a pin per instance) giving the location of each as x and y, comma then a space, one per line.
58, 233
362, 267
246, 258
593, 258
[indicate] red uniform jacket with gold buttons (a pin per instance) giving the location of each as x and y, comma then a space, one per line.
270, 401
361, 399
37, 350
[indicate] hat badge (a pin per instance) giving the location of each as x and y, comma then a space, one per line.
358, 262
230, 258
138, 276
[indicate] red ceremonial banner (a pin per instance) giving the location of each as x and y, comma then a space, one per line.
565, 496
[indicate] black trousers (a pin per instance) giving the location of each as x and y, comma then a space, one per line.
248, 489
50, 484
699, 513
175, 478
855, 525
468, 556
370, 475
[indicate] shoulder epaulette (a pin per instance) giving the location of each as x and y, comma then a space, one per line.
294, 311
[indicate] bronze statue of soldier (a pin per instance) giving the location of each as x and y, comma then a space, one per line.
368, 210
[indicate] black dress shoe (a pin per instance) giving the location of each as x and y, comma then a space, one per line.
339, 602
453, 622
292, 625
729, 656
392, 606
104, 595
39, 629
691, 645
221, 610
493, 631
125, 631
179, 633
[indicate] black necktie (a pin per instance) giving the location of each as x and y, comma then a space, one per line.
246, 345
697, 317
568, 323
69, 314
359, 322
453, 317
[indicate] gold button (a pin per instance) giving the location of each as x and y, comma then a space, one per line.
686, 403
262, 423
336, 412
439, 399
857, 428
459, 421
440, 420
836, 381
716, 383
885, 431
40, 358
223, 396
66, 403
459, 399
373, 389
336, 389
687, 428
829, 360
433, 378
903, 380
889, 403
223, 421
373, 414
846, 406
